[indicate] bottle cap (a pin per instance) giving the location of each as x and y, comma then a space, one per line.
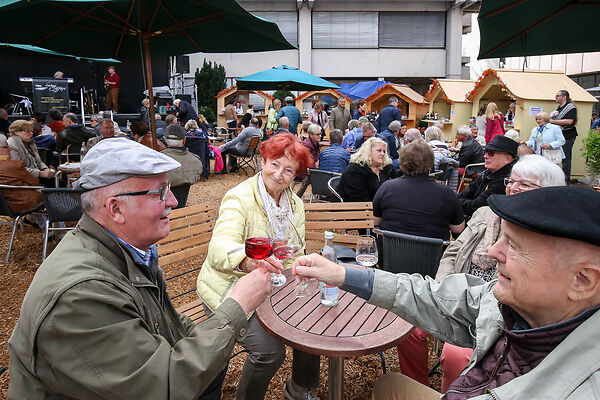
328, 235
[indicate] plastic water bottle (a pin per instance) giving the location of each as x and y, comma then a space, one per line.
128, 125
329, 294
82, 151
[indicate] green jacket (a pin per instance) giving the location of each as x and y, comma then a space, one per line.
226, 249
462, 310
93, 326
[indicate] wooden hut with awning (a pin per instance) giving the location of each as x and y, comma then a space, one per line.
534, 92
446, 97
259, 99
305, 101
412, 105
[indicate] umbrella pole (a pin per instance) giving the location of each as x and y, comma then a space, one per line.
150, 93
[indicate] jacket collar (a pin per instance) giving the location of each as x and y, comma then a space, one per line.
258, 199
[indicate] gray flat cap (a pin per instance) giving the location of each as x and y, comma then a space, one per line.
115, 159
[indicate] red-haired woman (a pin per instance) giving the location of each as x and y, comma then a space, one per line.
264, 197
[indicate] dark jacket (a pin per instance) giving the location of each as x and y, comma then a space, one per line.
185, 112
313, 149
145, 116
335, 158
73, 135
481, 188
471, 152
359, 182
356, 114
390, 139
387, 115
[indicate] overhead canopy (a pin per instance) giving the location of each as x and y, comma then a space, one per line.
535, 27
360, 90
455, 90
535, 85
20, 49
283, 77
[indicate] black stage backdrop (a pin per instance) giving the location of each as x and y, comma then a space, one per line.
84, 73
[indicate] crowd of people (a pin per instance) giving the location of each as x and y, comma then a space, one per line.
101, 324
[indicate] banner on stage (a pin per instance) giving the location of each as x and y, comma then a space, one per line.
50, 93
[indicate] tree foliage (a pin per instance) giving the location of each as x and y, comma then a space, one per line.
591, 150
210, 80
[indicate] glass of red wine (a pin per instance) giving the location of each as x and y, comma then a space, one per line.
259, 245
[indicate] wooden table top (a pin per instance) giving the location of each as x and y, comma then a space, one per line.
351, 328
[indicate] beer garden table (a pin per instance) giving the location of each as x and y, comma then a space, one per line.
351, 328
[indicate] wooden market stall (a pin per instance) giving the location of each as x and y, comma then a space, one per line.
446, 97
412, 105
534, 92
259, 100
305, 101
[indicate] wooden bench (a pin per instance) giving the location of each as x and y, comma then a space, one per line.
338, 218
191, 231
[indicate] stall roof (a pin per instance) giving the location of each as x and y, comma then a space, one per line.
234, 88
403, 90
311, 92
534, 85
455, 90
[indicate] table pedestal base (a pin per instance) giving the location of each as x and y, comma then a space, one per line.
336, 378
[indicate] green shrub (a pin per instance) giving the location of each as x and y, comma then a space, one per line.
591, 150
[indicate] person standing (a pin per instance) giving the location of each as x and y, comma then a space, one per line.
388, 114
318, 116
565, 116
547, 139
360, 110
494, 122
272, 117
292, 113
340, 116
185, 111
111, 83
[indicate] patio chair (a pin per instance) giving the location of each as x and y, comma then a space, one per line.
319, 185
471, 171
15, 216
62, 205
333, 185
410, 253
199, 146
249, 160
437, 175
181, 194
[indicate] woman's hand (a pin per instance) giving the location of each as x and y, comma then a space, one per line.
546, 146
271, 264
320, 268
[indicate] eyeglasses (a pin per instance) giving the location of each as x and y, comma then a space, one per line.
162, 192
490, 153
522, 184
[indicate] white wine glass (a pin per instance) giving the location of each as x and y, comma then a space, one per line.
366, 251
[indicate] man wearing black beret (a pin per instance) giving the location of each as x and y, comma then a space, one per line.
534, 330
499, 156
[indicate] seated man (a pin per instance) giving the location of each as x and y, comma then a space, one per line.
389, 136
56, 123
470, 152
97, 321
74, 135
335, 158
239, 145
368, 131
169, 119
533, 330
500, 153
284, 126
191, 166
140, 133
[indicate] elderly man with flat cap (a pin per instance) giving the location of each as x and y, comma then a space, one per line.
500, 153
534, 329
97, 322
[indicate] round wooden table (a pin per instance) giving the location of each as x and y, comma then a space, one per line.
351, 328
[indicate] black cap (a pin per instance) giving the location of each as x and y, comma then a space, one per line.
503, 144
175, 132
563, 211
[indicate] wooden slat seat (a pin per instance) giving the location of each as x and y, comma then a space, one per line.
191, 231
338, 218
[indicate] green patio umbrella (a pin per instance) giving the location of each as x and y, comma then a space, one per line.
20, 49
536, 27
127, 28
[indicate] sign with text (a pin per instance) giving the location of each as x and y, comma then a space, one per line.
534, 110
50, 93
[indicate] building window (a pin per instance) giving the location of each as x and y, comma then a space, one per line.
412, 29
287, 21
349, 30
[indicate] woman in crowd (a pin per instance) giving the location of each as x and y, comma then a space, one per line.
312, 144
435, 138
318, 116
480, 119
513, 134
469, 254
272, 116
238, 108
510, 115
22, 147
303, 135
547, 139
369, 168
264, 197
203, 123
416, 204
494, 122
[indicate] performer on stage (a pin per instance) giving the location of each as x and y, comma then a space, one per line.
111, 83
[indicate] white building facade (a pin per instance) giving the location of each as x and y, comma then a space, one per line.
353, 40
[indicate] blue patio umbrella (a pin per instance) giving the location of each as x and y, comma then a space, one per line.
285, 78
19, 49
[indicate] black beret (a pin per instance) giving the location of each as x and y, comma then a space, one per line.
564, 211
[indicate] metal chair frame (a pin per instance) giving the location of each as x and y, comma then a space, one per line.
466, 174
250, 159
62, 205
333, 184
319, 182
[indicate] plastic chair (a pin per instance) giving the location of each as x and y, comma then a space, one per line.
16, 217
319, 180
181, 194
62, 205
410, 253
333, 185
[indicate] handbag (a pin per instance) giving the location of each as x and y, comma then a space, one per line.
554, 155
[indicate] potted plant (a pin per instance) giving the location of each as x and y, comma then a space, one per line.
591, 152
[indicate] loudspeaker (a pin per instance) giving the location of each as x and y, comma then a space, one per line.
182, 64
185, 97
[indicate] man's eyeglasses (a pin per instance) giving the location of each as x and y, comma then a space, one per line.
522, 184
162, 192
490, 153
